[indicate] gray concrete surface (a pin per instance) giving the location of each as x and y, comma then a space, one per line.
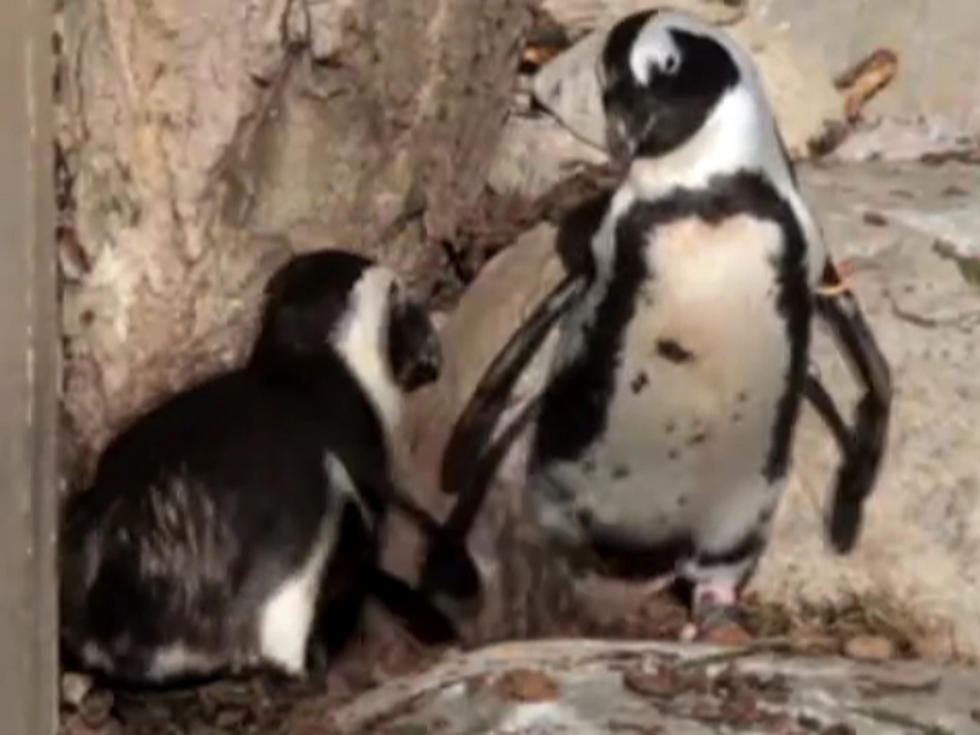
28, 375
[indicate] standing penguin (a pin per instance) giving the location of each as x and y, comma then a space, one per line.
663, 434
222, 525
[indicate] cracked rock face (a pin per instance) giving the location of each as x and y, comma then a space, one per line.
934, 101
203, 142
596, 688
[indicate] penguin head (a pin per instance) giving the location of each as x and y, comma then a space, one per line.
344, 303
664, 76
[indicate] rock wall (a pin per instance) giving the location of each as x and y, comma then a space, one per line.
201, 142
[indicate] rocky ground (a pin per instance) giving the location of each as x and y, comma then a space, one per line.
880, 641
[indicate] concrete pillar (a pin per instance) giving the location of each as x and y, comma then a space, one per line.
28, 373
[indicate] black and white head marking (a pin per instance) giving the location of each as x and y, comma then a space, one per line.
684, 103
660, 83
344, 302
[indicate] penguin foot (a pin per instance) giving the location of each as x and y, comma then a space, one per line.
716, 616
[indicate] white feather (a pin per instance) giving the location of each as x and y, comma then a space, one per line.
739, 134
286, 617
362, 341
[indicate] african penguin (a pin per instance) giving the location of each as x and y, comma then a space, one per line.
222, 526
663, 434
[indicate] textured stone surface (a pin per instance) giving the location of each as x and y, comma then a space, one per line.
203, 142
934, 100
581, 16
535, 153
591, 687
917, 559
921, 541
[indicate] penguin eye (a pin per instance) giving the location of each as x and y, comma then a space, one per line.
671, 64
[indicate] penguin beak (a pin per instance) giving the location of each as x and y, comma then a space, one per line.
413, 343
619, 142
631, 117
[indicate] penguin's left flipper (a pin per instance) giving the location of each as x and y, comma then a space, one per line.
471, 458
420, 616
456, 563
470, 439
863, 446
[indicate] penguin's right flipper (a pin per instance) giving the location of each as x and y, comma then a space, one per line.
861, 461
471, 458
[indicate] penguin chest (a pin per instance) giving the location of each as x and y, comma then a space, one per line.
699, 372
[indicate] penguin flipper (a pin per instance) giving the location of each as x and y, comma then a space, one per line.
421, 618
821, 400
471, 458
489, 399
865, 446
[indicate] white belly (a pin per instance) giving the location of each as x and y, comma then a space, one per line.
702, 369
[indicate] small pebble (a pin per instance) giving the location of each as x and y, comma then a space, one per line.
728, 634
526, 685
869, 648
74, 688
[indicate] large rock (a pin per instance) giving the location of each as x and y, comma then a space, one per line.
202, 142
934, 101
916, 563
910, 229
594, 688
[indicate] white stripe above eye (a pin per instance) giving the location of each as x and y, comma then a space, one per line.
653, 47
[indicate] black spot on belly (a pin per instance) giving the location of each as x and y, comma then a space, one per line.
669, 427
588, 466
698, 438
736, 417
681, 501
585, 517
620, 472
742, 396
673, 454
639, 382
673, 351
